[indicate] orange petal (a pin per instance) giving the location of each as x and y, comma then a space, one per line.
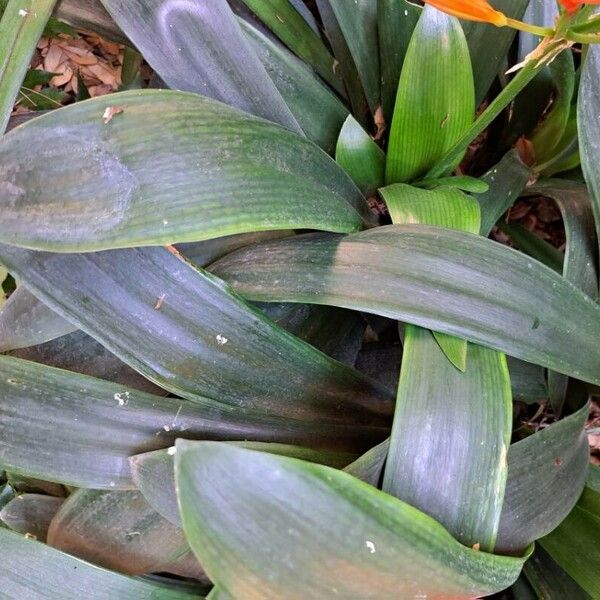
471, 10
572, 5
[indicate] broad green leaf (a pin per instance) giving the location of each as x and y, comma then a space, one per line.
589, 135
153, 474
283, 517
31, 514
436, 278
432, 109
188, 332
579, 265
506, 180
318, 111
442, 207
450, 438
285, 21
489, 45
204, 171
218, 594
574, 543
549, 581
360, 157
80, 431
63, 577
21, 27
118, 531
546, 473
26, 321
80, 353
358, 23
200, 48
396, 21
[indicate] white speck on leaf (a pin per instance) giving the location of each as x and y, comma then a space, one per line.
172, 450
122, 398
371, 546
221, 340
110, 112
23, 12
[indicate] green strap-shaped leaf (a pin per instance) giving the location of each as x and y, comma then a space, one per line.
188, 332
35, 571
549, 581
459, 182
574, 543
588, 107
21, 27
360, 157
442, 207
436, 278
26, 321
435, 102
80, 353
205, 170
546, 473
534, 246
450, 438
317, 109
358, 23
506, 180
31, 514
285, 21
118, 531
579, 265
153, 475
199, 47
344, 63
80, 431
396, 21
356, 542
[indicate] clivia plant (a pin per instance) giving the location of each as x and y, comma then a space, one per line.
264, 343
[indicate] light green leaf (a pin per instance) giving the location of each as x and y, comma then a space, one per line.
252, 541
436, 278
442, 207
460, 182
183, 185
360, 157
63, 577
433, 108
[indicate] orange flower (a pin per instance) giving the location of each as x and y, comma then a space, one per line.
472, 10
573, 5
